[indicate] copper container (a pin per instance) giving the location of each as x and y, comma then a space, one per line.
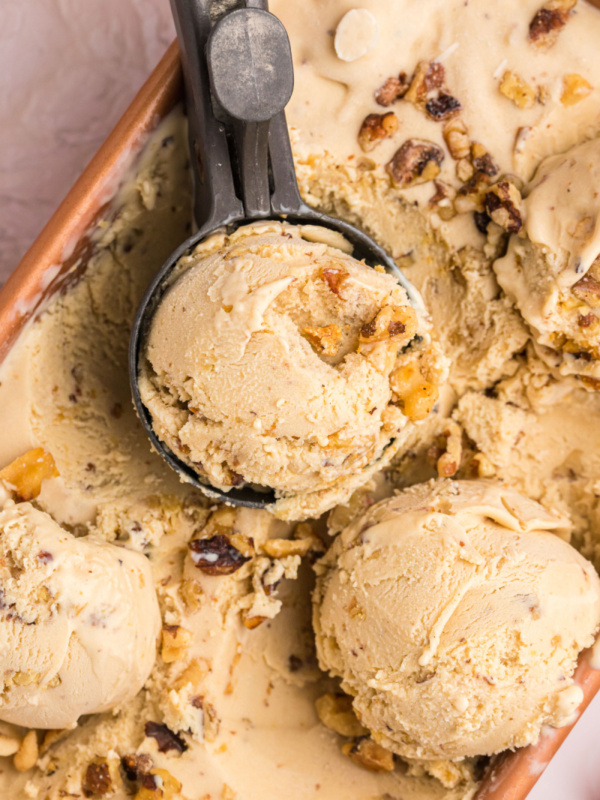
61, 250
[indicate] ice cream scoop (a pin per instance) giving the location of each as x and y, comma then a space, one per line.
454, 614
239, 77
79, 621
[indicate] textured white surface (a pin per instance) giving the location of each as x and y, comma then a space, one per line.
68, 70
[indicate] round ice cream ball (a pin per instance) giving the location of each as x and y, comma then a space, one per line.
79, 620
277, 359
454, 615
553, 275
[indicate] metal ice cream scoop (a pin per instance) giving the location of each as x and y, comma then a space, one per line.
238, 73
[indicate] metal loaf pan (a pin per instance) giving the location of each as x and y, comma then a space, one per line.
61, 251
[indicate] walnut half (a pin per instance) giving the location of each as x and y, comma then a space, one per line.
416, 161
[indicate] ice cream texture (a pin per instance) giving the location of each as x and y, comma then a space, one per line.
79, 621
454, 614
277, 359
235, 692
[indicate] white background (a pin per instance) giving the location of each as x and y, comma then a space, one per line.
68, 70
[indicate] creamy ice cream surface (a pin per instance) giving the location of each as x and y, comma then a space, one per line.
277, 359
453, 614
79, 621
553, 275
448, 136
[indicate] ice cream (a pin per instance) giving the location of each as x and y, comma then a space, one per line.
454, 615
553, 275
277, 359
79, 621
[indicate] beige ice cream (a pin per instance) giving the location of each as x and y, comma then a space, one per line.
277, 359
79, 621
553, 275
454, 615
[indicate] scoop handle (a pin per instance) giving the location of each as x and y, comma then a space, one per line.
215, 199
251, 72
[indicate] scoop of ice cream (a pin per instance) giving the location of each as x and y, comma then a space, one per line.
553, 276
277, 359
454, 617
78, 620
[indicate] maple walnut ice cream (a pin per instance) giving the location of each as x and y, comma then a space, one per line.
277, 359
453, 138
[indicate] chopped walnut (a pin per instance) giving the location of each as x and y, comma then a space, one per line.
503, 204
334, 277
416, 162
217, 555
575, 89
442, 200
165, 738
389, 322
448, 463
482, 160
548, 22
336, 713
471, 196
369, 755
280, 548
516, 89
325, 340
375, 128
158, 784
393, 89
253, 621
442, 107
456, 136
97, 780
416, 395
26, 474
175, 642
428, 76
485, 468
134, 765
589, 322
588, 290
27, 755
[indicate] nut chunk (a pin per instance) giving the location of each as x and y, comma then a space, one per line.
369, 755
216, 556
442, 107
416, 162
376, 128
336, 713
97, 780
26, 474
390, 321
392, 89
325, 340
549, 21
503, 204
575, 88
517, 90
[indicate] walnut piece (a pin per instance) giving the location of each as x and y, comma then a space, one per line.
416, 161
448, 463
442, 200
456, 136
482, 160
216, 555
575, 89
325, 340
97, 780
393, 89
428, 76
390, 322
548, 22
503, 204
26, 474
471, 196
158, 784
416, 395
134, 765
442, 107
27, 755
369, 755
588, 290
280, 548
375, 128
336, 713
252, 622
165, 738
516, 89
175, 642
334, 277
